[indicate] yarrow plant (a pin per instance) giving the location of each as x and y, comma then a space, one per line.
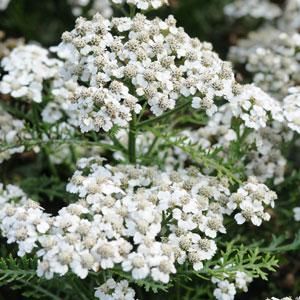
134, 164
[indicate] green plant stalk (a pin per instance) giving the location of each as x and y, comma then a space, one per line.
165, 115
45, 148
132, 140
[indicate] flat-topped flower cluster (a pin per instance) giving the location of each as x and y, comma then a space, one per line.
12, 131
142, 219
28, 67
125, 63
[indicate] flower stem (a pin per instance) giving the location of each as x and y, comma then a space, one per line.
132, 140
165, 115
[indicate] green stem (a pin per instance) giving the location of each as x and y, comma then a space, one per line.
132, 140
40, 142
51, 166
163, 116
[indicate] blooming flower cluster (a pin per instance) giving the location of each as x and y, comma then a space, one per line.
112, 290
226, 289
101, 6
127, 62
290, 18
169, 210
21, 219
272, 56
297, 213
6, 45
140, 218
60, 109
251, 200
4, 4
254, 106
291, 109
12, 131
104, 7
143, 4
27, 67
254, 8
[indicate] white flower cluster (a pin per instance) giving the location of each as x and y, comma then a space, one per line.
143, 4
8, 44
273, 57
226, 289
101, 6
12, 131
251, 199
254, 106
290, 20
4, 4
104, 7
112, 290
139, 218
253, 8
60, 109
291, 110
127, 62
22, 220
27, 67
297, 214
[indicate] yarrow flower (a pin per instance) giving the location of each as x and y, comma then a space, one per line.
291, 110
297, 214
27, 68
253, 8
12, 131
128, 62
112, 290
251, 199
225, 290
101, 6
119, 220
4, 4
290, 18
272, 56
143, 4
8, 44
253, 106
22, 220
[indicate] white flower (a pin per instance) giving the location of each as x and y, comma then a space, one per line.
27, 68
137, 264
272, 57
291, 111
132, 60
101, 6
225, 290
4, 4
12, 132
141, 219
251, 199
252, 105
112, 290
242, 280
163, 270
297, 213
254, 8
